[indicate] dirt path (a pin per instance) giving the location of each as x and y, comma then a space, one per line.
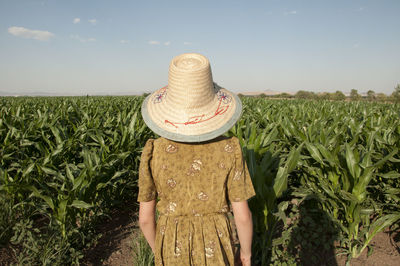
115, 245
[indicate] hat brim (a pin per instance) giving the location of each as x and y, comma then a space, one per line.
211, 133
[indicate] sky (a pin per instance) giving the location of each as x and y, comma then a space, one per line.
124, 47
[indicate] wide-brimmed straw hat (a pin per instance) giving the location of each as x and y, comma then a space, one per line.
192, 108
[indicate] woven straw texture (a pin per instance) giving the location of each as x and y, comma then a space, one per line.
192, 107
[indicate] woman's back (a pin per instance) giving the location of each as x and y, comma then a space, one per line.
194, 183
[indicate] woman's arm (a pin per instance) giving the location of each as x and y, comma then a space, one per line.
147, 221
244, 226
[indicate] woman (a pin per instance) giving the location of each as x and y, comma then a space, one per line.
193, 171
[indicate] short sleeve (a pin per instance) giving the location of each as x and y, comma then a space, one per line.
147, 188
239, 183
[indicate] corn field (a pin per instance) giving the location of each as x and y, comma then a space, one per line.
67, 161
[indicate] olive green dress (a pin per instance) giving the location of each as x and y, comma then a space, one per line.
194, 183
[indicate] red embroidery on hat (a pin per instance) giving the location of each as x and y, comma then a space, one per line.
223, 97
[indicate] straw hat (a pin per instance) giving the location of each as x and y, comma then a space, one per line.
192, 108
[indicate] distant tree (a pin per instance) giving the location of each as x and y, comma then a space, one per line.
285, 95
305, 95
396, 94
145, 94
262, 95
240, 95
354, 96
339, 96
381, 97
371, 95
324, 96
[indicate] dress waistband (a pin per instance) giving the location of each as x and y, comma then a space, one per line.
193, 215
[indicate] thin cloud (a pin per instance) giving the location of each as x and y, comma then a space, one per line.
167, 43
124, 41
356, 45
293, 12
187, 43
30, 34
84, 40
154, 42
93, 21
76, 20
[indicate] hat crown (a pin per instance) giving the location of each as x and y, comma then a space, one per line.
190, 83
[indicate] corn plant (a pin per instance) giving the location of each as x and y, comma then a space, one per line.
269, 166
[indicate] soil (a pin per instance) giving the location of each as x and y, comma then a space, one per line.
6, 256
386, 251
115, 245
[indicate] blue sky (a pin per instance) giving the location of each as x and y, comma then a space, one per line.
114, 47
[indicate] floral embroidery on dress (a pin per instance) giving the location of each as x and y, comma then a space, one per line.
171, 183
194, 167
171, 207
228, 148
164, 167
195, 213
220, 234
171, 148
225, 208
162, 229
237, 175
178, 248
209, 249
151, 195
221, 165
202, 196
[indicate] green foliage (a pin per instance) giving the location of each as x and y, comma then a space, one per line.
143, 255
307, 237
305, 95
7, 219
371, 95
396, 94
354, 96
333, 152
65, 162
70, 160
339, 96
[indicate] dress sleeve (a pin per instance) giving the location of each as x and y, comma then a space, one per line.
147, 188
240, 187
